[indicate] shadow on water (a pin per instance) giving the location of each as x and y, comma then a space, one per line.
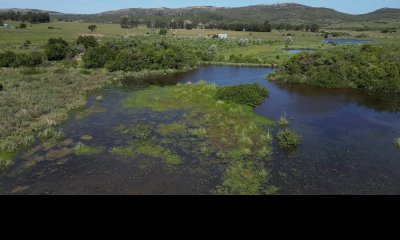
347, 144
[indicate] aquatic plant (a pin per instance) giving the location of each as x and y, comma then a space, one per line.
99, 98
288, 138
147, 149
173, 128
141, 132
283, 120
82, 149
243, 178
397, 143
224, 126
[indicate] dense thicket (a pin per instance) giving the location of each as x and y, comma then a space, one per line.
57, 49
155, 52
25, 17
12, 59
373, 68
137, 56
249, 94
87, 41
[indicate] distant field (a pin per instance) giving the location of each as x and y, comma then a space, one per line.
273, 52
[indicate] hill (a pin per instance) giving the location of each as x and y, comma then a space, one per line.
288, 13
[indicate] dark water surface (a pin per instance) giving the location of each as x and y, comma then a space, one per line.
347, 145
345, 41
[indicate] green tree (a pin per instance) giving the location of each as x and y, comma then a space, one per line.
22, 25
267, 26
92, 28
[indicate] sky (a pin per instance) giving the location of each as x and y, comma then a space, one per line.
96, 6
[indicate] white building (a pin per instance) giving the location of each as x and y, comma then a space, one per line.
5, 26
222, 36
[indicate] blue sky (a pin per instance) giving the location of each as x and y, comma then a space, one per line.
95, 6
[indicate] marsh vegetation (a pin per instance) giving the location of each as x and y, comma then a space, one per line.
218, 139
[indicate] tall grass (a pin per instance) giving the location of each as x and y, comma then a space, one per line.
30, 103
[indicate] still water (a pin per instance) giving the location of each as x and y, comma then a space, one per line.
347, 145
345, 41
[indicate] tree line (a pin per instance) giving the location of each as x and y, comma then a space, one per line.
25, 17
266, 26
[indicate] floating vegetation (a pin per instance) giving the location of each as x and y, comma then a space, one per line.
86, 137
397, 143
283, 120
146, 149
174, 128
288, 138
141, 132
244, 178
81, 149
99, 98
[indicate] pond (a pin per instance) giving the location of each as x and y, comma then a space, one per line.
347, 145
345, 41
295, 51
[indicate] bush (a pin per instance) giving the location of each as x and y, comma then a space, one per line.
288, 138
163, 32
87, 41
57, 49
11, 59
97, 57
125, 60
31, 59
372, 68
7, 59
249, 94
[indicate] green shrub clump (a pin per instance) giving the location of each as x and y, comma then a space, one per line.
12, 59
248, 94
57, 49
372, 68
288, 138
87, 41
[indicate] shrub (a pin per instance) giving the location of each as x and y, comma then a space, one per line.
7, 59
288, 138
372, 68
87, 41
249, 94
97, 57
57, 49
163, 31
125, 60
31, 59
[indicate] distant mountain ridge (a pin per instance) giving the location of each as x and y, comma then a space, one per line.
287, 12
